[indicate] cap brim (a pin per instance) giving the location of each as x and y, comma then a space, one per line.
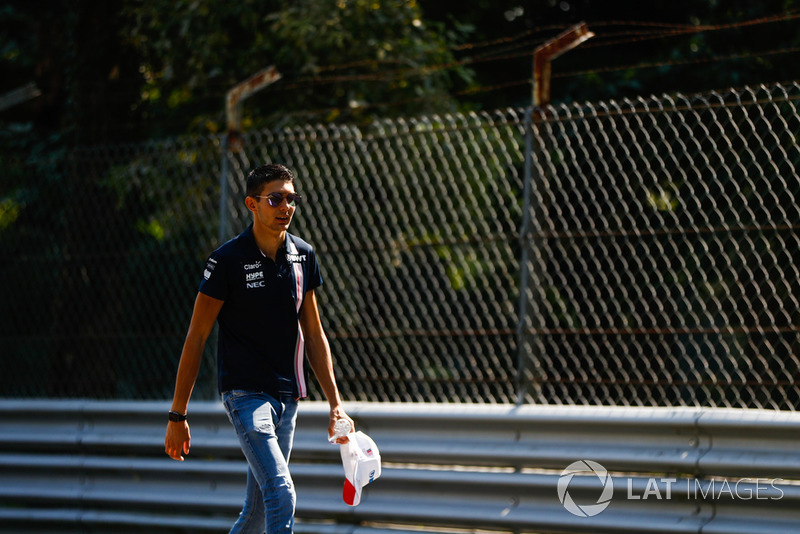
351, 494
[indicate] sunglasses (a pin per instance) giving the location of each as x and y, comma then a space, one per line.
275, 199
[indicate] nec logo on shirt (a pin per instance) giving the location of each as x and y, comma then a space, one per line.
254, 279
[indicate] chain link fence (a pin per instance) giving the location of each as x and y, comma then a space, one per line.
621, 253
662, 257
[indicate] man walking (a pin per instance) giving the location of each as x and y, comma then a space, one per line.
259, 287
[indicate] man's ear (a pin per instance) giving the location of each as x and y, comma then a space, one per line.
250, 202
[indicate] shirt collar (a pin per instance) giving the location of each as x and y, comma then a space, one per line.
284, 248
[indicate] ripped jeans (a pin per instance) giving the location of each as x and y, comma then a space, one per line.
265, 427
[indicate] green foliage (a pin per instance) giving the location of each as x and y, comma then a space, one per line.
160, 68
341, 55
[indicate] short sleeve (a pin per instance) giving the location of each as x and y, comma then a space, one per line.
314, 274
215, 282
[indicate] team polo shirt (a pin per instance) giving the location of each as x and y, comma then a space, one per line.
260, 343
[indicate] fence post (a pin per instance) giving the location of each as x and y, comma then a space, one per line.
223, 191
524, 243
232, 140
547, 52
540, 96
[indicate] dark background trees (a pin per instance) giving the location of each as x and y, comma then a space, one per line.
134, 69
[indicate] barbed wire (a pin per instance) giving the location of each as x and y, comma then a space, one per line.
506, 53
676, 62
527, 81
643, 36
673, 30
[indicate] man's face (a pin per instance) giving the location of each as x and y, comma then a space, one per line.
275, 205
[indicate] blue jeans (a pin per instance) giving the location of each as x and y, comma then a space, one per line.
265, 427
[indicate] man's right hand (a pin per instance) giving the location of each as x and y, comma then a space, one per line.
177, 440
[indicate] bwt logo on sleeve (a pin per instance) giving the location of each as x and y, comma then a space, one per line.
211, 264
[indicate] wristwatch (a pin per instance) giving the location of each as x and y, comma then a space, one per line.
177, 417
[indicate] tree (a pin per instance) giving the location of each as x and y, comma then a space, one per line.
50, 203
340, 60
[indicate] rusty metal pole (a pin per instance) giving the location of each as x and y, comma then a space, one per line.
232, 142
542, 57
547, 52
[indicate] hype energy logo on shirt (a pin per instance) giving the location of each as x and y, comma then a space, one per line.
258, 275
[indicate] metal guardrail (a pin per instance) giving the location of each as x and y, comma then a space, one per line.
88, 466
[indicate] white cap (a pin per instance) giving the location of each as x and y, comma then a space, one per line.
362, 464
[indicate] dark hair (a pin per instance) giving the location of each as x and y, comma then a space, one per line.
265, 174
